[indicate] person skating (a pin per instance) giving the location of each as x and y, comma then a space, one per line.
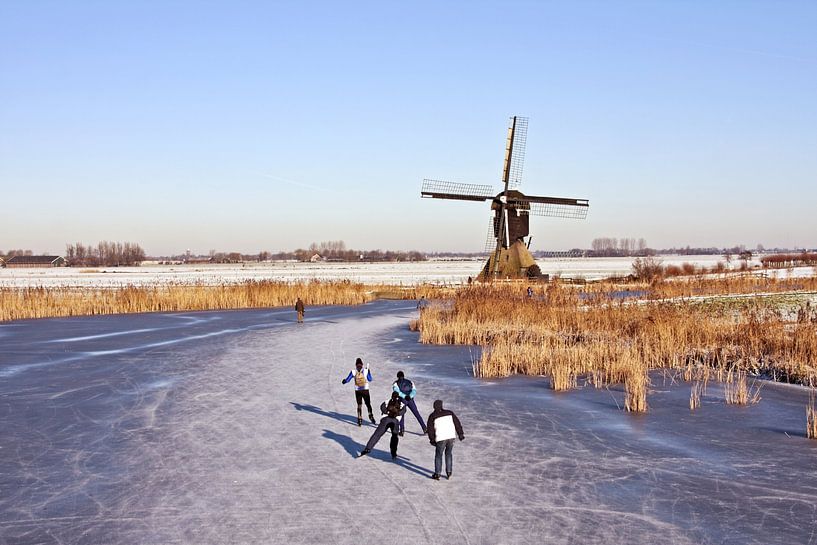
299, 308
407, 392
443, 427
393, 412
362, 376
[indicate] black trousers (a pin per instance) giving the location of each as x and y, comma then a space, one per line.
386, 423
360, 397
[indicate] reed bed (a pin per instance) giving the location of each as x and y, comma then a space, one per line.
729, 284
41, 302
564, 334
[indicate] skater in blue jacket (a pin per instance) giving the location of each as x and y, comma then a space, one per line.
406, 390
362, 376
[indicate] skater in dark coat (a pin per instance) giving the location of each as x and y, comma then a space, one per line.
443, 427
393, 412
362, 376
299, 308
407, 392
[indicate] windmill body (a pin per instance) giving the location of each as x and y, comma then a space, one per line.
511, 210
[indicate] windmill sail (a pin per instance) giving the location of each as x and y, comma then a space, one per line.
490, 239
439, 189
555, 207
515, 151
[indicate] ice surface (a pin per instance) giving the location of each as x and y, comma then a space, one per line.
233, 427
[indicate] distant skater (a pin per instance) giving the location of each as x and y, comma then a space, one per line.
443, 427
362, 376
299, 308
407, 392
393, 412
422, 303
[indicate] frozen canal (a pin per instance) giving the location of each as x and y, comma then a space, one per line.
233, 427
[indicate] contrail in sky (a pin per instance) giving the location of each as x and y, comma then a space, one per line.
299, 184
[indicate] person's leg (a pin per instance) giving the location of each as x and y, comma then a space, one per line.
359, 399
413, 406
438, 457
449, 457
368, 399
378, 433
395, 439
402, 424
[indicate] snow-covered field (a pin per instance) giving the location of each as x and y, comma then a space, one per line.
234, 428
370, 273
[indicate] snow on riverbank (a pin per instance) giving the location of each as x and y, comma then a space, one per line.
438, 272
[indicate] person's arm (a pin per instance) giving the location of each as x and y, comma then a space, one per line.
413, 391
458, 426
396, 388
432, 433
348, 378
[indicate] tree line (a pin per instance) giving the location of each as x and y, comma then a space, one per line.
332, 250
335, 250
789, 260
105, 254
618, 247
12, 253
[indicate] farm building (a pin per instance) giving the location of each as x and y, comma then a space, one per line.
20, 261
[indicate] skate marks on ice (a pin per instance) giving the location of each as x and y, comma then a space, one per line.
249, 437
572, 468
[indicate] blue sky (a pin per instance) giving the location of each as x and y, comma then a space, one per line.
269, 125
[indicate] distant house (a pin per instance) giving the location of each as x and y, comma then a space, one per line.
315, 258
20, 261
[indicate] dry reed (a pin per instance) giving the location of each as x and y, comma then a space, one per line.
811, 417
737, 390
695, 396
565, 334
41, 302
636, 384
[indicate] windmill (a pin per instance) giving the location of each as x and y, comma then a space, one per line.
510, 256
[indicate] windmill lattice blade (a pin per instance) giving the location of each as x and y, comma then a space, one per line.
439, 189
490, 239
520, 139
557, 210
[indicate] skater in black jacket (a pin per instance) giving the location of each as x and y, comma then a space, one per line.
393, 412
443, 427
299, 308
